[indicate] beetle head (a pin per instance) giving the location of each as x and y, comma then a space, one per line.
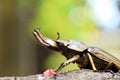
59, 45
45, 41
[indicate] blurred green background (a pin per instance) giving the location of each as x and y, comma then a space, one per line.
94, 22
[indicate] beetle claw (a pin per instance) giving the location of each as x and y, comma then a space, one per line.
110, 71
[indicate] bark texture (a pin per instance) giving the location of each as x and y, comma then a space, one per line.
83, 74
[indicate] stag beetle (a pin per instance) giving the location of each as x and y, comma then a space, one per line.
86, 57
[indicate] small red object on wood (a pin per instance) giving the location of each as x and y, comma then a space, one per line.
49, 72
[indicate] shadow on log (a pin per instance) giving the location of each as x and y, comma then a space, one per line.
83, 74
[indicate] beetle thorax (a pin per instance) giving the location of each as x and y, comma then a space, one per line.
68, 48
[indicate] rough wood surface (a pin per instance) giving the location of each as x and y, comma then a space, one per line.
70, 75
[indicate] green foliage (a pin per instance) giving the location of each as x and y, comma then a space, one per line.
67, 17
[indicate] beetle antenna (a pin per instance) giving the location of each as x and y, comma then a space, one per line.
58, 35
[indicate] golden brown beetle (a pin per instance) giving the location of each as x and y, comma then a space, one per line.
77, 52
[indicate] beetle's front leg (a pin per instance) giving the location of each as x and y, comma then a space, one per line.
74, 58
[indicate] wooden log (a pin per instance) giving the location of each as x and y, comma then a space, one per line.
83, 74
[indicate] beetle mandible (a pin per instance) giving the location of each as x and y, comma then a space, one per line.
86, 57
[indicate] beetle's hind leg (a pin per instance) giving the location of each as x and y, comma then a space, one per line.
107, 68
73, 59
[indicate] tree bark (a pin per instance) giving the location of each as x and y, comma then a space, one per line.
83, 74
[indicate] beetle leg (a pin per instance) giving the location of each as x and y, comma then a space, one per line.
95, 69
109, 65
91, 61
84, 61
74, 58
